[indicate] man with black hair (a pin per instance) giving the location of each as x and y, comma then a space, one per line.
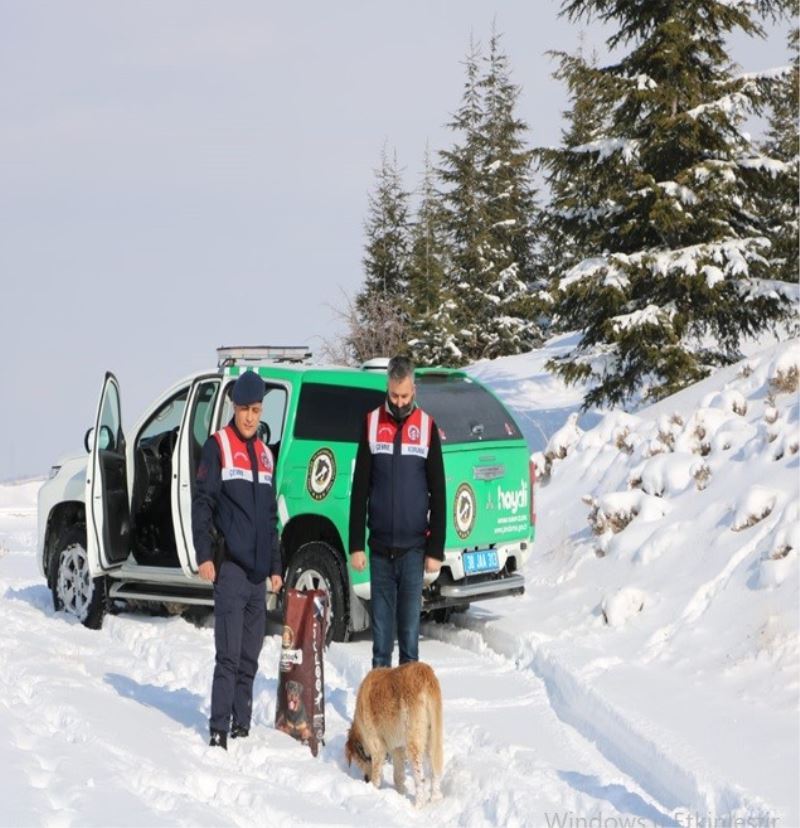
234, 526
399, 492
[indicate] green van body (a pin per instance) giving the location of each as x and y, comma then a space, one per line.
488, 484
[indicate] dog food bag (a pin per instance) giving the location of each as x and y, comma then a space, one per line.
301, 685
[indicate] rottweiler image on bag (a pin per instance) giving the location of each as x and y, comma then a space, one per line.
300, 711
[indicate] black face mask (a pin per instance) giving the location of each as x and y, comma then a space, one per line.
400, 412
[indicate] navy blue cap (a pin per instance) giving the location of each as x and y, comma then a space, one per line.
248, 389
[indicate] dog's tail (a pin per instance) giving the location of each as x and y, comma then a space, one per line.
436, 729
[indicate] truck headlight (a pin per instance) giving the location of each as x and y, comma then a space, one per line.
53, 471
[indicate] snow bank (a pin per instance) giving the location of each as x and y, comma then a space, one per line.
664, 588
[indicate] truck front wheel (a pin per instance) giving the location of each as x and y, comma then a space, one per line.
74, 589
316, 565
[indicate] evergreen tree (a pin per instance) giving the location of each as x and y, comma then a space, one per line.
489, 214
578, 183
677, 277
462, 204
507, 247
781, 186
385, 261
429, 303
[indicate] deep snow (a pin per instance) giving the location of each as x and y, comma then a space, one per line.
649, 675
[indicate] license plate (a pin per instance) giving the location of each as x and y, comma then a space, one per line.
483, 560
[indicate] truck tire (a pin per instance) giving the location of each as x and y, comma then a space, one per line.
74, 590
316, 565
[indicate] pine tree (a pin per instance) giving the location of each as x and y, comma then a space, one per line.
677, 279
781, 186
507, 249
385, 262
430, 304
572, 220
462, 202
490, 210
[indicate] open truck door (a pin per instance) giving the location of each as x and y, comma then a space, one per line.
108, 518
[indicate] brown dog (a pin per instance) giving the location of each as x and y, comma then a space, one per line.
398, 712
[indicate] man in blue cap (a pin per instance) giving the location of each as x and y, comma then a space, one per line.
234, 525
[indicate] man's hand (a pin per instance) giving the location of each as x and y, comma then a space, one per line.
207, 571
276, 582
432, 564
359, 560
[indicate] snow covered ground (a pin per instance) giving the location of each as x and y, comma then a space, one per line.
649, 675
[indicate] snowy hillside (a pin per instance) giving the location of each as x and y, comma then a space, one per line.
664, 592
649, 673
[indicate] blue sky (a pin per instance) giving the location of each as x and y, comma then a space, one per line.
179, 175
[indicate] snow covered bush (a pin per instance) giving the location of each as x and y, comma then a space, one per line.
622, 442
780, 551
784, 437
668, 430
564, 439
701, 472
541, 465
785, 371
559, 445
613, 512
770, 411
756, 504
622, 605
664, 474
727, 400
785, 382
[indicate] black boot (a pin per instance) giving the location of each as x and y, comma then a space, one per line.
219, 738
239, 732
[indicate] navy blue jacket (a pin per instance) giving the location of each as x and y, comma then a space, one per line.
244, 512
400, 496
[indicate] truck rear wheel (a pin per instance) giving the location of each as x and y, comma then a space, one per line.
74, 589
316, 565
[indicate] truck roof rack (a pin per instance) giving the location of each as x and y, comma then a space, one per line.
375, 364
236, 354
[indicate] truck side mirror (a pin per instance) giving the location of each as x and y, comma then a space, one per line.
106, 439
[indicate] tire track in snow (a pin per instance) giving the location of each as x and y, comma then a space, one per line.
651, 758
500, 726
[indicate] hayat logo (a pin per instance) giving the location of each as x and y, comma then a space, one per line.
514, 500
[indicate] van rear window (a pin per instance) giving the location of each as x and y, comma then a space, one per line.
334, 413
464, 411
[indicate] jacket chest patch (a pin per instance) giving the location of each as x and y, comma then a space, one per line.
235, 460
415, 437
